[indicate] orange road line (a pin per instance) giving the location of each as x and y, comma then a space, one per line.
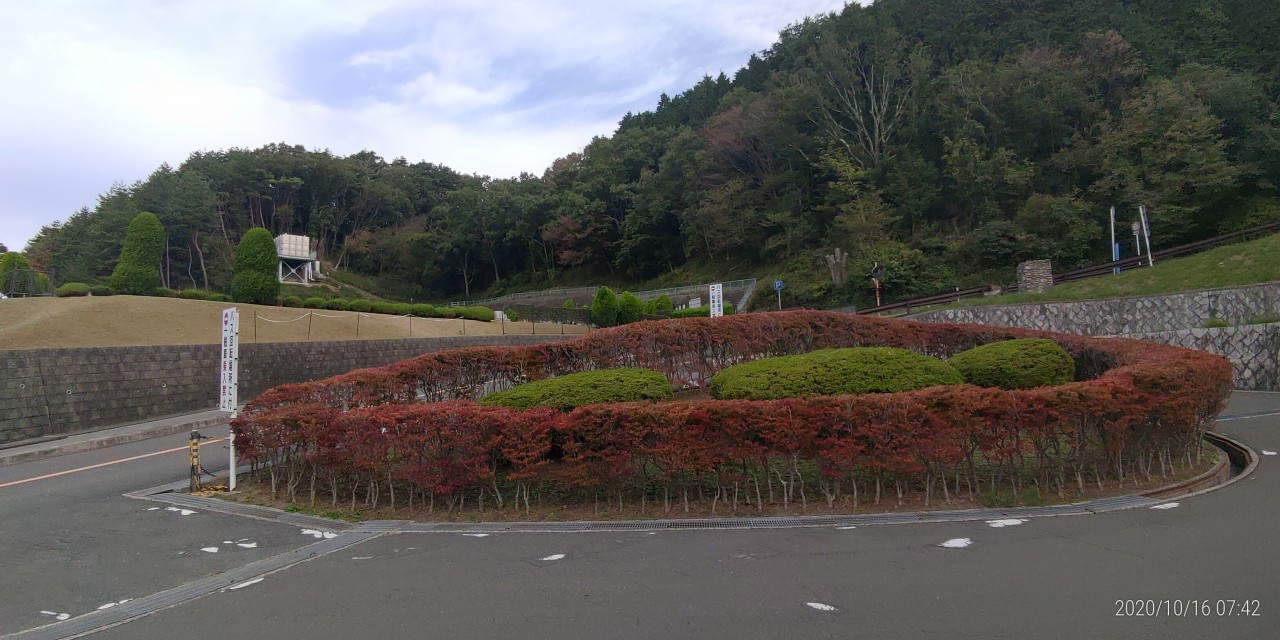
103, 464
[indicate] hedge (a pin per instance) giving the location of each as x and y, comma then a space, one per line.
337, 304
199, 294
581, 389
314, 302
1016, 364
383, 307
424, 311
831, 372
100, 290
291, 301
363, 306
72, 290
482, 314
138, 270
1136, 408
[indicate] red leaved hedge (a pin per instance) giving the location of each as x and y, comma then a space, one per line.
1137, 407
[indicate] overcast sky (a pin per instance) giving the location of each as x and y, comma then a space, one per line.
93, 93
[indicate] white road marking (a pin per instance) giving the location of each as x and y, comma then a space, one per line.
1009, 522
1167, 505
820, 606
247, 545
154, 509
244, 584
847, 528
48, 613
319, 534
1268, 453
62, 616
185, 512
361, 557
956, 543
476, 535
554, 556
209, 549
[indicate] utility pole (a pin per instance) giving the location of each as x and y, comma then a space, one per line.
1115, 248
1146, 233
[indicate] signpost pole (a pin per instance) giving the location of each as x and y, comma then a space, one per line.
229, 380
717, 300
1146, 233
777, 286
1115, 248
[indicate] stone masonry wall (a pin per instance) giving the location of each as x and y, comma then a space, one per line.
1176, 319
46, 392
1122, 316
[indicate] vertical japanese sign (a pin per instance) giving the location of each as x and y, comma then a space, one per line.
228, 373
717, 300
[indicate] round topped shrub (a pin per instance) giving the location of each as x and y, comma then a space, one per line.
589, 387
291, 301
255, 280
1016, 364
314, 302
363, 306
337, 304
833, 372
138, 271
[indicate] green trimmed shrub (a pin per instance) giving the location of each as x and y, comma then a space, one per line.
589, 387
629, 308
200, 294
482, 314
383, 307
10, 262
163, 292
72, 290
1016, 364
314, 302
219, 297
100, 290
604, 308
255, 280
403, 308
337, 304
447, 311
291, 301
701, 312
424, 311
833, 372
363, 306
568, 304
511, 315
662, 305
138, 271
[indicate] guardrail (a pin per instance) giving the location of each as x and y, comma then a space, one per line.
1094, 271
571, 292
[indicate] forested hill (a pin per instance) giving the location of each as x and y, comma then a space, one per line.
945, 140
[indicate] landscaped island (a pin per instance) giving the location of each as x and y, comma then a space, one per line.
412, 432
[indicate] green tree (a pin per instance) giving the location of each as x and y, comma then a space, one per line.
629, 308
256, 280
138, 270
12, 264
604, 308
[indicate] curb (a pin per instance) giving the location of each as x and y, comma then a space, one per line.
111, 441
1240, 457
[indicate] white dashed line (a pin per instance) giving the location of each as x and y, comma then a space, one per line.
1268, 453
184, 512
554, 556
1010, 522
244, 584
209, 549
820, 606
476, 535
956, 543
319, 534
1167, 505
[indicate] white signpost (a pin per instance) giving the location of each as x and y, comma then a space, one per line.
229, 377
717, 300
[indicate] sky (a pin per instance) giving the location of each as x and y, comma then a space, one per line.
94, 92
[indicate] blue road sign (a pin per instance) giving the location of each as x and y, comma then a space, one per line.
777, 285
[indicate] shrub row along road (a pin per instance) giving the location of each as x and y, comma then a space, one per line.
73, 541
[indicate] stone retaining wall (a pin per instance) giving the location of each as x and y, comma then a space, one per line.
46, 392
1122, 316
1177, 319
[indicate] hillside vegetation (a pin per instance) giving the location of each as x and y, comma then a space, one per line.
945, 145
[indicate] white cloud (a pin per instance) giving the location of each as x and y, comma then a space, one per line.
96, 92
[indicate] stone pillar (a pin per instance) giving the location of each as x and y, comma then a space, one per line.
1035, 276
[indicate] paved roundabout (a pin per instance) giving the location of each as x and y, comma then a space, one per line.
1183, 568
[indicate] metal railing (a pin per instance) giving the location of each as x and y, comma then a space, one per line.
1085, 273
572, 292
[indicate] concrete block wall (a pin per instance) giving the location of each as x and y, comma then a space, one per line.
51, 392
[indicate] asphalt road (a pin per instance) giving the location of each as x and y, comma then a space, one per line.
72, 543
1060, 577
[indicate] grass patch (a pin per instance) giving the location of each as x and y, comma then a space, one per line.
1234, 265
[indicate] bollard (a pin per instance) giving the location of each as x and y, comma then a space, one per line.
193, 454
